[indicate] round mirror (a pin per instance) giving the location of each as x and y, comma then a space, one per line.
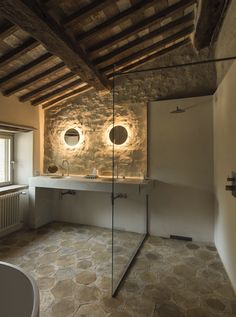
118, 135
72, 137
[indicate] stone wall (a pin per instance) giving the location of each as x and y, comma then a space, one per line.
92, 113
93, 116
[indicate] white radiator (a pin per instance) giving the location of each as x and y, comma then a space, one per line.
9, 212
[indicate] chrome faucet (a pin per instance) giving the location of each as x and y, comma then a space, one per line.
65, 168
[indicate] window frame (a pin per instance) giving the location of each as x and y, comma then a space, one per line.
10, 159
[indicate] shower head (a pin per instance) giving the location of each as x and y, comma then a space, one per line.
177, 110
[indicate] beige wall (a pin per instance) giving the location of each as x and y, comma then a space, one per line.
13, 111
224, 164
225, 144
181, 162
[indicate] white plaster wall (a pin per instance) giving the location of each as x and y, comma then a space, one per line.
27, 145
42, 206
24, 206
23, 157
90, 208
95, 208
15, 112
181, 162
224, 164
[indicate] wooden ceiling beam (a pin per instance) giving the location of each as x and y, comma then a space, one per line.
33, 80
50, 4
7, 30
24, 70
150, 49
141, 40
67, 96
53, 94
154, 56
29, 45
119, 18
170, 11
43, 89
84, 12
29, 16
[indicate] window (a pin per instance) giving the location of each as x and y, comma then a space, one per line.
6, 152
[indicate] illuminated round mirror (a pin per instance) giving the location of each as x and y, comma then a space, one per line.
72, 137
118, 135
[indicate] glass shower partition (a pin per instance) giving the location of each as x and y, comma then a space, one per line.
128, 136
133, 89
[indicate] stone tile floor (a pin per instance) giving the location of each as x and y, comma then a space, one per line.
72, 266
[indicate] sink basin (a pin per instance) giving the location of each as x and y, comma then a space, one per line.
59, 176
122, 180
106, 179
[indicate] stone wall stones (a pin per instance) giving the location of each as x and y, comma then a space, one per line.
94, 118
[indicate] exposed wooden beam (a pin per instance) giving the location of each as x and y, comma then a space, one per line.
33, 80
179, 6
67, 96
85, 11
150, 49
119, 18
26, 68
27, 15
154, 56
50, 4
7, 30
141, 40
210, 15
43, 89
53, 94
18, 51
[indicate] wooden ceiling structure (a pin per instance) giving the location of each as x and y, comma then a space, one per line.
53, 50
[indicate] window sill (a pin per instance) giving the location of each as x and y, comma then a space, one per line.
11, 188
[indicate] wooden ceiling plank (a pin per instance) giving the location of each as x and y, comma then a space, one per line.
43, 89
28, 15
119, 18
179, 6
154, 56
26, 68
33, 80
160, 31
84, 12
7, 30
54, 93
67, 96
148, 50
18, 51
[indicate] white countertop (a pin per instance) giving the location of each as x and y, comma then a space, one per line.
102, 184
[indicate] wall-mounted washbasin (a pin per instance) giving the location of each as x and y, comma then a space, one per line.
59, 176
101, 184
106, 179
120, 180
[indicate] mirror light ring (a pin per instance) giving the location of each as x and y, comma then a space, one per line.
81, 139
